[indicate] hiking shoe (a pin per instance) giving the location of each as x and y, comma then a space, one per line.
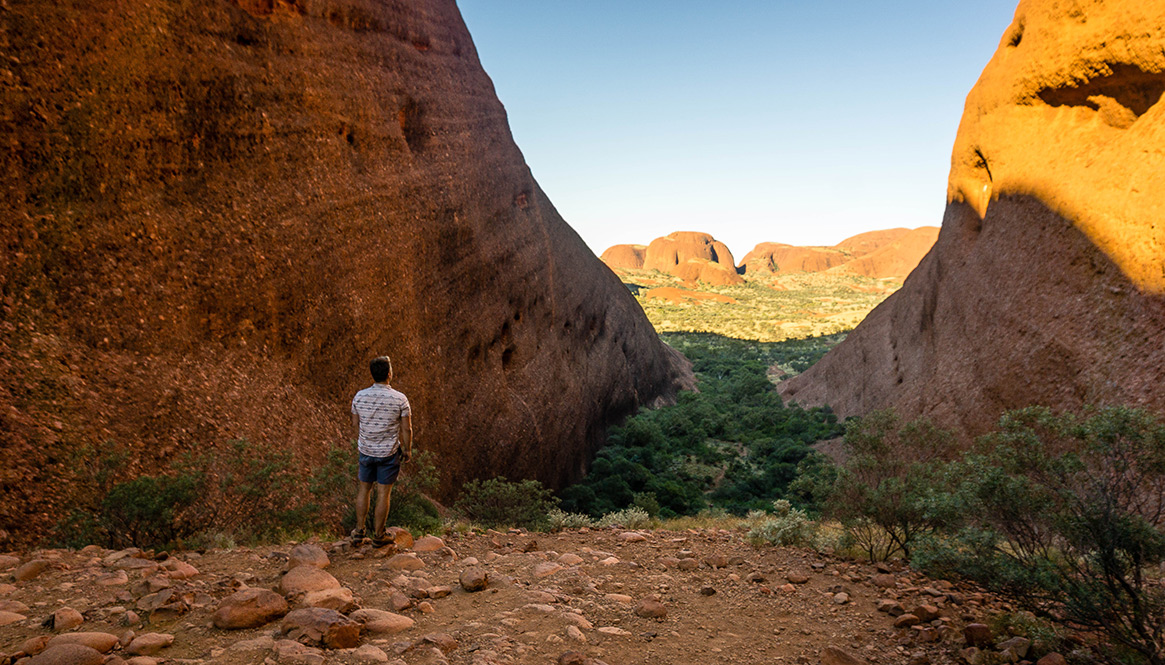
381, 539
357, 536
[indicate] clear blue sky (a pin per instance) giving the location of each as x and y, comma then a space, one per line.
763, 120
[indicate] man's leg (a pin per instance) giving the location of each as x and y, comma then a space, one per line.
363, 494
383, 497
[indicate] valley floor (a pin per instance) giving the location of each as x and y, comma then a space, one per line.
583, 591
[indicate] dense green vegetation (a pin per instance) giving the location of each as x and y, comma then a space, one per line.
733, 445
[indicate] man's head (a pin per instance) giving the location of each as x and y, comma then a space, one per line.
381, 368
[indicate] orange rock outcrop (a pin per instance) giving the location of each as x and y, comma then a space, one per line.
778, 258
624, 257
1047, 282
895, 259
689, 255
214, 212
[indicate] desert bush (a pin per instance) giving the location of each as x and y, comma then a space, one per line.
499, 502
1067, 515
628, 518
557, 520
888, 492
148, 510
787, 527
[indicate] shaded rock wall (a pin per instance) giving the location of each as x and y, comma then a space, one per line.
215, 212
1045, 285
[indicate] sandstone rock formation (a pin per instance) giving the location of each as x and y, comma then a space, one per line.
894, 260
778, 258
871, 241
672, 253
1047, 283
688, 255
624, 257
213, 212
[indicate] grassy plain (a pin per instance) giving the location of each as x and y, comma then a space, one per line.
766, 308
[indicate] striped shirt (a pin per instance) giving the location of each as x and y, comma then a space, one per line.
380, 409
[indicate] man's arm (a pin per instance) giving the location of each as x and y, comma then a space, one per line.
356, 424
406, 437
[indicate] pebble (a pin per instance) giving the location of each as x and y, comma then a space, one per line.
797, 578
614, 630
149, 644
68, 654
651, 608
307, 554
546, 569
7, 618
370, 654
382, 622
474, 579
405, 561
31, 570
428, 544
841, 598
66, 618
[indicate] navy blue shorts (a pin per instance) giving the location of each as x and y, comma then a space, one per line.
381, 470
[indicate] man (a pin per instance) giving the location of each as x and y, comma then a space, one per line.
384, 427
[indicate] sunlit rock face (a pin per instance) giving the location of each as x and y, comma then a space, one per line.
1047, 283
673, 253
624, 257
214, 213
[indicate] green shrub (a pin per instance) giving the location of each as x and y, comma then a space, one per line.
498, 502
147, 511
628, 518
1067, 514
788, 527
888, 492
557, 520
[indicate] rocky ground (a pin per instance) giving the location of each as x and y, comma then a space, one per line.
583, 596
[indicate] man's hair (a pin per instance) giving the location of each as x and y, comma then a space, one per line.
380, 367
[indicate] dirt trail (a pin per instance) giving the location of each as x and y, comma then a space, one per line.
725, 600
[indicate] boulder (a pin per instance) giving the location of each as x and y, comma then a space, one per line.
290, 652
400, 537
324, 627
405, 561
103, 642
339, 599
7, 617
8, 562
906, 621
249, 608
68, 654
978, 635
179, 570
307, 554
428, 544
31, 570
64, 619
474, 579
884, 581
381, 622
306, 579
546, 569
1052, 659
651, 608
149, 644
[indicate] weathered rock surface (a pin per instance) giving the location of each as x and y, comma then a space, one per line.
103, 642
68, 654
317, 626
307, 554
1047, 283
306, 579
895, 260
380, 621
198, 237
249, 608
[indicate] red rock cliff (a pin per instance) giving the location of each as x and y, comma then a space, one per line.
1047, 282
215, 212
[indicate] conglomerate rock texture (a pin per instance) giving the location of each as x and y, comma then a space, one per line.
1047, 283
215, 212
